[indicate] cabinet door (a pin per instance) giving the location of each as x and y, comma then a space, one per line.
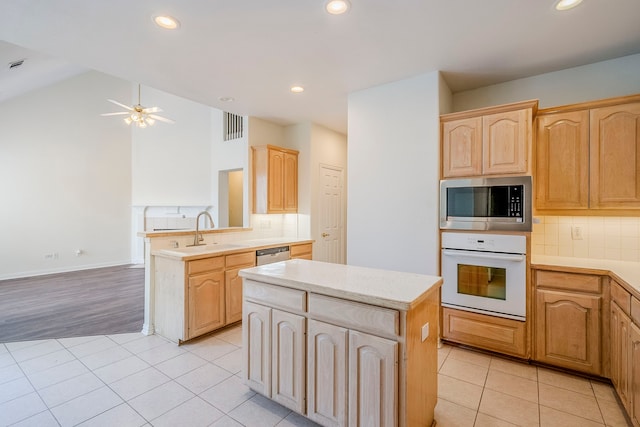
290, 183
275, 197
206, 303
256, 347
634, 383
288, 360
620, 336
462, 147
562, 161
567, 327
506, 138
373, 380
233, 295
327, 373
615, 156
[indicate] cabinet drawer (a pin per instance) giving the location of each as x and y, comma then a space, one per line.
569, 281
206, 264
245, 258
620, 296
275, 296
355, 315
299, 250
635, 310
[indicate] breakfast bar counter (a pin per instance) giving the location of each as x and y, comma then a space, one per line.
342, 345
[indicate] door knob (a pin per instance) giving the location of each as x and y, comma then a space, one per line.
325, 234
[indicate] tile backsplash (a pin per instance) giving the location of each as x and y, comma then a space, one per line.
615, 238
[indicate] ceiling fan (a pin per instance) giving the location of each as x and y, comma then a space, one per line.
137, 114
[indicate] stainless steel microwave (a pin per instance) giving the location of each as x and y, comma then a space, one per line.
486, 203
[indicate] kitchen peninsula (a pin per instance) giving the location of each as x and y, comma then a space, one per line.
342, 345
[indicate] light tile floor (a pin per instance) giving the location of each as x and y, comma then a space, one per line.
475, 389
136, 380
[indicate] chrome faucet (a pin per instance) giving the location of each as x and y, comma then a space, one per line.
197, 238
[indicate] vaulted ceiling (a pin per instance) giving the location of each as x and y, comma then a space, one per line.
255, 50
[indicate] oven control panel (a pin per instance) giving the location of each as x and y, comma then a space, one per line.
486, 242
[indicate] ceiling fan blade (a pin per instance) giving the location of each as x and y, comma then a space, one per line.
120, 104
116, 114
152, 110
161, 119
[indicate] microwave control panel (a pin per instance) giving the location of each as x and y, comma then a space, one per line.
515, 201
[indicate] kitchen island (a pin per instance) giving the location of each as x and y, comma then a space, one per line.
342, 345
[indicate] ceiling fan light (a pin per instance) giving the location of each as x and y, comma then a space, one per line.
141, 124
128, 120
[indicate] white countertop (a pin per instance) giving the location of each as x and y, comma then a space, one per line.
196, 252
627, 271
384, 288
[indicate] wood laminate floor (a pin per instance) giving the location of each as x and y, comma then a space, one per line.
100, 301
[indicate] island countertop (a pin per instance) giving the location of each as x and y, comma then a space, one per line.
384, 288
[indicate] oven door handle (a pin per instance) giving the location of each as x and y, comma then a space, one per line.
501, 257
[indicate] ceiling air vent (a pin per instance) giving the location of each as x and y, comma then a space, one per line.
16, 64
232, 126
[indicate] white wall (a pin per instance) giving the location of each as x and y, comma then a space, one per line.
66, 178
393, 172
172, 162
229, 155
317, 146
616, 77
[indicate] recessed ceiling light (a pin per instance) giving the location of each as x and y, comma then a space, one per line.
337, 7
567, 4
226, 99
297, 89
167, 22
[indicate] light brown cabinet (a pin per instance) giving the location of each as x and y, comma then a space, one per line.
489, 141
303, 251
233, 283
198, 296
206, 303
568, 320
275, 180
562, 161
615, 156
488, 332
634, 383
620, 352
588, 156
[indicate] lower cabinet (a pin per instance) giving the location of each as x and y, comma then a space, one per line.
351, 376
620, 353
197, 296
325, 361
634, 384
206, 303
568, 320
327, 373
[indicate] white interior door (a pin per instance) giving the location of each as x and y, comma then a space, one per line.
330, 237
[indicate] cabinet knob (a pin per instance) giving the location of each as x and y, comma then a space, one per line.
325, 234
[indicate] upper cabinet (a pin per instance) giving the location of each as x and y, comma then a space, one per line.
275, 180
588, 156
615, 156
488, 141
562, 161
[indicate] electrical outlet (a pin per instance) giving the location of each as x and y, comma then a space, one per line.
425, 331
576, 232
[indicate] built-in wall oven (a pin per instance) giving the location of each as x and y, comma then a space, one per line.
486, 203
485, 273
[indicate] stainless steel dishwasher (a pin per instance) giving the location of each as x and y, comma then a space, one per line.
268, 256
